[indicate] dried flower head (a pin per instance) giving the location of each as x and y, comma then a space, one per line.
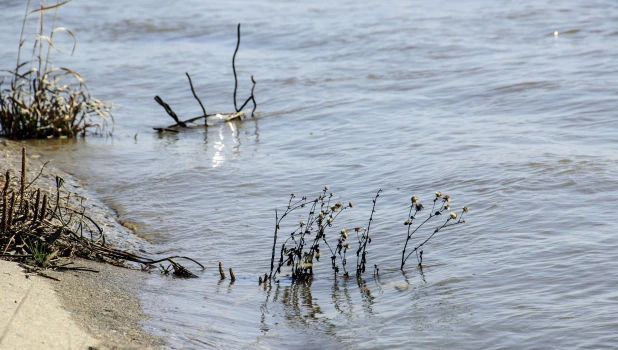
344, 233
357, 229
453, 215
447, 207
329, 220
351, 205
418, 206
325, 188
465, 209
438, 194
447, 198
302, 223
347, 245
414, 199
408, 222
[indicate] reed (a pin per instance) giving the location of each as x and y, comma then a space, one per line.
43, 101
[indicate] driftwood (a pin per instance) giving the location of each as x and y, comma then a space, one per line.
224, 116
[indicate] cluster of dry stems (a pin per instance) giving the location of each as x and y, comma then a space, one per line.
42, 227
43, 101
302, 247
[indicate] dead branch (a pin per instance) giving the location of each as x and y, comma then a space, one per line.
194, 95
169, 111
234, 65
238, 113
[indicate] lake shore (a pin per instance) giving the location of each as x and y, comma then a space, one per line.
84, 309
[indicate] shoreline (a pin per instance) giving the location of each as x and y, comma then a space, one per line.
84, 309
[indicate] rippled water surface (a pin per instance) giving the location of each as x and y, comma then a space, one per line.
478, 99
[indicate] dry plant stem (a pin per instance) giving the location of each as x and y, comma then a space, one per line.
21, 42
272, 259
232, 277
7, 182
38, 175
291, 207
51, 36
362, 251
253, 96
11, 210
22, 189
36, 206
418, 207
195, 95
445, 225
403, 260
234, 66
221, 271
43, 209
5, 214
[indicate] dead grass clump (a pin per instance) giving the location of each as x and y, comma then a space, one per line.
40, 228
43, 101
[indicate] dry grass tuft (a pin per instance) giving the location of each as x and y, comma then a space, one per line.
41, 232
43, 101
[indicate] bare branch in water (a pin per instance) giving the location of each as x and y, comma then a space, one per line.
234, 65
195, 95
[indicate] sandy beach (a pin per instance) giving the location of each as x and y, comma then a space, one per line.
83, 310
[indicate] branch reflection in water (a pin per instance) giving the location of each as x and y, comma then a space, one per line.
221, 142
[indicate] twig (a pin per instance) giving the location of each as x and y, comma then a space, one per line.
362, 251
272, 259
253, 96
234, 66
169, 111
232, 275
37, 177
221, 270
166, 130
76, 268
195, 95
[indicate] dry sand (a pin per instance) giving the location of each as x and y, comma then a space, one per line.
84, 310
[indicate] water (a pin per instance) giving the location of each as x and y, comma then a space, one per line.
479, 100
